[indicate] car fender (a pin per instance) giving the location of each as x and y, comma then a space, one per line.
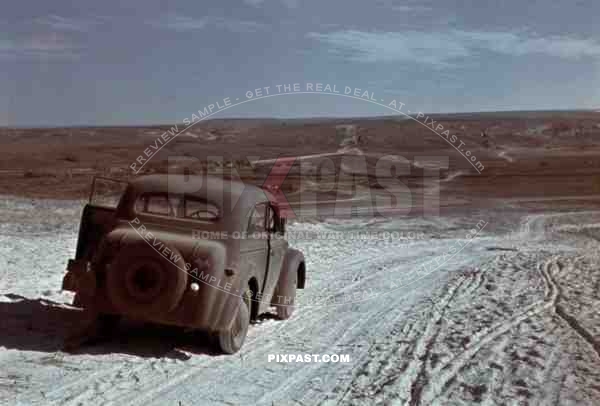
293, 262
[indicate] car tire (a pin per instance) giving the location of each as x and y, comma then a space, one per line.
230, 341
140, 282
286, 293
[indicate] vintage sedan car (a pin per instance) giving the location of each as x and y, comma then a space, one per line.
193, 251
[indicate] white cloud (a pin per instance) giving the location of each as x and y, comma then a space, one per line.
48, 37
237, 25
411, 8
290, 3
406, 7
259, 3
184, 23
522, 44
410, 46
442, 49
48, 45
59, 23
254, 3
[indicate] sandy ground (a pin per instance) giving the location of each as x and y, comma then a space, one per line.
507, 319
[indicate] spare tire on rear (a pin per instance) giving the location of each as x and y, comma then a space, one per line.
141, 282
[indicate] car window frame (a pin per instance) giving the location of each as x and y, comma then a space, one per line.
175, 216
208, 202
148, 213
277, 225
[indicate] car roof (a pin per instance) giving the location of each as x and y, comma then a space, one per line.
207, 187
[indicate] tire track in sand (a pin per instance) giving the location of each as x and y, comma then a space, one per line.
383, 372
446, 373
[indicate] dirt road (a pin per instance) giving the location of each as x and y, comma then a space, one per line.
508, 317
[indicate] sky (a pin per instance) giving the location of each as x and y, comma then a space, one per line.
68, 63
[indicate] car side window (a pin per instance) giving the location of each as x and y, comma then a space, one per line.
272, 225
256, 223
200, 209
282, 222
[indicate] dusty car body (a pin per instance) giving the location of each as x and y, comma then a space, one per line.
199, 252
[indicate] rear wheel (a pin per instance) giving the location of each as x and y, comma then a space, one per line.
231, 341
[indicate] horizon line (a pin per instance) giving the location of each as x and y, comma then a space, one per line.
307, 118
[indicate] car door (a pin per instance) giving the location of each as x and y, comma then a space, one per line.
277, 249
255, 245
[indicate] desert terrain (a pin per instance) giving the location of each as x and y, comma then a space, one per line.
510, 317
522, 154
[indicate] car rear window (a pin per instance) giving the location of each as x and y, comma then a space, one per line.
177, 206
154, 204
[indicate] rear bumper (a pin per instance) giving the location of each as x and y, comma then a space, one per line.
79, 278
193, 311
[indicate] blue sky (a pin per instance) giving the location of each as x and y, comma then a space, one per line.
148, 62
